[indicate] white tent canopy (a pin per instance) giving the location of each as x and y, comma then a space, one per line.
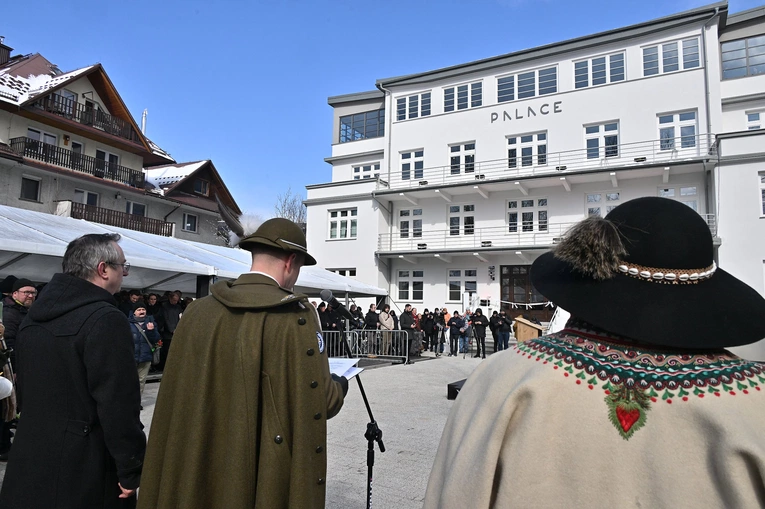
33, 243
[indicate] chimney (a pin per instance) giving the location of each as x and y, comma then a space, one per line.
5, 52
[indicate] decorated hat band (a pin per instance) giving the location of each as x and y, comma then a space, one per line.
668, 276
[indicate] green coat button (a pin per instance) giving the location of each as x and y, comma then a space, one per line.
278, 439
301, 321
314, 384
310, 351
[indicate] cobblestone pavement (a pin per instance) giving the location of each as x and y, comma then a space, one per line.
410, 406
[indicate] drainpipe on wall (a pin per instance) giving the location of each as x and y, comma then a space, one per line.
708, 105
168, 214
388, 129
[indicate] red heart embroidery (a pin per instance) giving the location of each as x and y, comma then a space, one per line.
627, 417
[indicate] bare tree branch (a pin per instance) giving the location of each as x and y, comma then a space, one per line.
290, 206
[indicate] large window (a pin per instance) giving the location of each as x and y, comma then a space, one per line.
365, 171
677, 130
137, 209
687, 194
370, 124
343, 224
527, 84
410, 223
410, 285
48, 140
671, 56
602, 140
527, 150
463, 97
530, 214
460, 280
85, 197
462, 158
745, 57
414, 106
461, 219
600, 204
190, 223
30, 188
599, 70
412, 164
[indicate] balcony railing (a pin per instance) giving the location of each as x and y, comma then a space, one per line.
492, 237
614, 157
121, 219
77, 112
58, 156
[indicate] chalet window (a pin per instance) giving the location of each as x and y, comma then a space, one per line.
137, 209
190, 223
85, 197
30, 188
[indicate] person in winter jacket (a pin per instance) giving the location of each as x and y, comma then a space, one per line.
144, 352
386, 325
455, 323
480, 322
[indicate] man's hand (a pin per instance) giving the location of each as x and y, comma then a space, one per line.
150, 326
125, 493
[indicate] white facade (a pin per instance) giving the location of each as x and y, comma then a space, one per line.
481, 167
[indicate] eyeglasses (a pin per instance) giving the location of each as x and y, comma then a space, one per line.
125, 266
28, 292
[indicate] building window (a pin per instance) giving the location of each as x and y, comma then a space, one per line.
365, 171
201, 187
532, 149
600, 204
85, 197
190, 223
753, 121
136, 209
744, 57
344, 272
410, 223
410, 280
343, 224
106, 162
467, 96
461, 219
529, 84
460, 279
462, 158
531, 213
683, 194
599, 71
413, 106
667, 57
762, 190
602, 140
30, 188
674, 124
360, 126
65, 101
412, 162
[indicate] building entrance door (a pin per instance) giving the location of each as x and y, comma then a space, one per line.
516, 287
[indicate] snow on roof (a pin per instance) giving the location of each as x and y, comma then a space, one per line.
164, 176
159, 151
18, 90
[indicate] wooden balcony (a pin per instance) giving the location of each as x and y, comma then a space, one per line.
52, 154
120, 219
97, 119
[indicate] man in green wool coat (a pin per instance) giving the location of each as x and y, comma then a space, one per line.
241, 415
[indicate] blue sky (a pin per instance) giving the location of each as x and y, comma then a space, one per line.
246, 83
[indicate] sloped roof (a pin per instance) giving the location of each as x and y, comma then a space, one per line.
159, 151
19, 90
163, 176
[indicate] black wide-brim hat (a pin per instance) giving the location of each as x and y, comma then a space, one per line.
664, 288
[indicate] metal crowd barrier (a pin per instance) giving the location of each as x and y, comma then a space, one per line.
368, 343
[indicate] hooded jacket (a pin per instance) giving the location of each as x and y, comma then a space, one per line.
241, 416
80, 433
142, 352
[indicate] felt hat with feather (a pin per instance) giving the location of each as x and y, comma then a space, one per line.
278, 232
647, 272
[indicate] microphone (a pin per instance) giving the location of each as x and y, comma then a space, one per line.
326, 295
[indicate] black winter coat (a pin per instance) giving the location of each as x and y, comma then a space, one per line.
480, 322
371, 320
80, 432
141, 349
13, 314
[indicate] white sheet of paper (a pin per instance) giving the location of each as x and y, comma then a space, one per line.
342, 366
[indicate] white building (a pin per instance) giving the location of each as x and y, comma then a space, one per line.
453, 181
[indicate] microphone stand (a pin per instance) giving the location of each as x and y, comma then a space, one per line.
373, 433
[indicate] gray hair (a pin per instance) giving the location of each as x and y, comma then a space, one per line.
83, 254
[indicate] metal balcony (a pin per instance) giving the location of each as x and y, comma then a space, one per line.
608, 157
488, 238
52, 154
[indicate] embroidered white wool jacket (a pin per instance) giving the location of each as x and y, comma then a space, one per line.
578, 419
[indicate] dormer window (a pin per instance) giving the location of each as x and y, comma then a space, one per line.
202, 187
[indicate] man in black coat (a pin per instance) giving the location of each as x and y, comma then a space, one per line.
167, 320
79, 443
408, 324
